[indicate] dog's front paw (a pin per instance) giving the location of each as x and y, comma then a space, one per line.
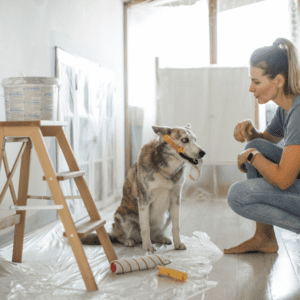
149, 247
129, 243
180, 246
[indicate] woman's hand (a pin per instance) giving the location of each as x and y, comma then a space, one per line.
245, 131
242, 160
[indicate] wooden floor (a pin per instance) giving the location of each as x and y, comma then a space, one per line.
252, 276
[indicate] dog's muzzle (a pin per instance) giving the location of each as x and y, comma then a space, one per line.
181, 150
194, 161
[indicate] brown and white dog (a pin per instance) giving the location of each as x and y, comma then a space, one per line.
152, 191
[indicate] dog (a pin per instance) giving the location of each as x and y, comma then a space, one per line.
152, 190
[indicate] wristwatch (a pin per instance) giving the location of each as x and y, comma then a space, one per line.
251, 156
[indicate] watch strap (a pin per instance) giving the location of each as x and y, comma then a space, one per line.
253, 155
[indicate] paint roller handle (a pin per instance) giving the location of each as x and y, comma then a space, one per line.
181, 276
168, 140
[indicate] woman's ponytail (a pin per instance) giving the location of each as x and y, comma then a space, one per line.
293, 86
280, 58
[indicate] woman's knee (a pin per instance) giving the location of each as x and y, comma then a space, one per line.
234, 195
266, 148
258, 144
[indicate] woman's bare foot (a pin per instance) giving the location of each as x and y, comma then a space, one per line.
264, 240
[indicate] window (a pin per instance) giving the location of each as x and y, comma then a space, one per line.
244, 29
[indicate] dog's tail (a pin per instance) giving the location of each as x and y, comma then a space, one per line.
92, 239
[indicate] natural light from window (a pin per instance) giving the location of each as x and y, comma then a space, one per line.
244, 29
179, 37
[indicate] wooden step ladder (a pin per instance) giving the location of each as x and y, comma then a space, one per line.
32, 132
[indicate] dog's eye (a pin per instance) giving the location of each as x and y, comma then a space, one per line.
185, 140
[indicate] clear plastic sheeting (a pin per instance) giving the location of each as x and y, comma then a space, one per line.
49, 270
88, 104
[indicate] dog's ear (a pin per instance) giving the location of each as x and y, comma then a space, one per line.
188, 126
162, 131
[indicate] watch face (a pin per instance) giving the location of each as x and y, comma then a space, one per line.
250, 156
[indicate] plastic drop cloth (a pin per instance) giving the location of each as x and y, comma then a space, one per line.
88, 103
49, 270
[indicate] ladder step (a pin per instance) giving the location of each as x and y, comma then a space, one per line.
68, 175
16, 139
86, 228
45, 207
10, 221
51, 198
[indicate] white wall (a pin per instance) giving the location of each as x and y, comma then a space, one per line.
29, 32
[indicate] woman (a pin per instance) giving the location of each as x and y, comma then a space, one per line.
271, 195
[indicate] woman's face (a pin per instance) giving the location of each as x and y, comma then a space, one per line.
261, 86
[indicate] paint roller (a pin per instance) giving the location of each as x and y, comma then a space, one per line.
138, 263
145, 263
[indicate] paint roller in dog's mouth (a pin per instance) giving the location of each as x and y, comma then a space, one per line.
194, 161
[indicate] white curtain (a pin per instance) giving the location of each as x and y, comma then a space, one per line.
213, 100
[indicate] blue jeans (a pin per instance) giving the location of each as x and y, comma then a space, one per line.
260, 201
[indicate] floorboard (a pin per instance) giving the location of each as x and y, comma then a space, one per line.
251, 276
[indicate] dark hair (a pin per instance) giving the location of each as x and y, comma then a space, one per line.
280, 58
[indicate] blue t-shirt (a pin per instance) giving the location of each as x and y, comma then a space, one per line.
287, 125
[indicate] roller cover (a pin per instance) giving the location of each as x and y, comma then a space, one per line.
138, 263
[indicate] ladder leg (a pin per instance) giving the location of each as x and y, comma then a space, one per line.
1, 146
11, 174
11, 186
64, 213
86, 195
22, 201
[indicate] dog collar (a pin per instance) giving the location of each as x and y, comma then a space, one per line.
180, 150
